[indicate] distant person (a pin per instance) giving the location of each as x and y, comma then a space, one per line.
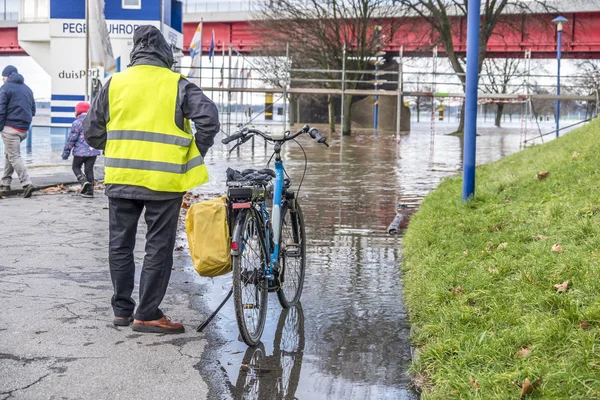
17, 109
141, 119
83, 153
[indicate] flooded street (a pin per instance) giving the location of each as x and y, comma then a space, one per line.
350, 339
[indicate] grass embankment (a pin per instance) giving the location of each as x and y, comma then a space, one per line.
480, 277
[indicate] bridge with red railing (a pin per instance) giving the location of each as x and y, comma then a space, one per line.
414, 37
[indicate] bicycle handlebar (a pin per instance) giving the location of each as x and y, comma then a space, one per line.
246, 133
233, 137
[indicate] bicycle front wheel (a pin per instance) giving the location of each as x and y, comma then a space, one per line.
292, 255
249, 286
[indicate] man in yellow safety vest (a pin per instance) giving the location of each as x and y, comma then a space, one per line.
141, 119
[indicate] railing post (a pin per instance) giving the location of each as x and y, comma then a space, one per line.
285, 85
343, 89
400, 89
28, 141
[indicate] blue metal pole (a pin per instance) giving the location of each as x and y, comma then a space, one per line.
558, 57
376, 108
470, 136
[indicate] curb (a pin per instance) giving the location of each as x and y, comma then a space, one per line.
15, 192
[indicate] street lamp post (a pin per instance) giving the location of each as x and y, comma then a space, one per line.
379, 53
559, 27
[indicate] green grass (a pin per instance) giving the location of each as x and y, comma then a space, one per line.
507, 300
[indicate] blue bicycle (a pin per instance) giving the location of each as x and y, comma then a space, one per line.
268, 249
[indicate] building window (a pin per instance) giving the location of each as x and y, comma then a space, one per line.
132, 4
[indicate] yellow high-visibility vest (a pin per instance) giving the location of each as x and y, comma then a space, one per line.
144, 146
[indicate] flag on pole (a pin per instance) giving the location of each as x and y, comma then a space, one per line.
101, 54
211, 51
196, 53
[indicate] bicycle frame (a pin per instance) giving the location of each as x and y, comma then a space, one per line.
275, 219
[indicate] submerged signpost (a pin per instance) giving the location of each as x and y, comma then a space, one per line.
470, 133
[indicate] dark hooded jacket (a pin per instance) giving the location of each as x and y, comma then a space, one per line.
151, 48
17, 106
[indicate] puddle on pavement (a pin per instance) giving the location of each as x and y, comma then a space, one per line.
350, 338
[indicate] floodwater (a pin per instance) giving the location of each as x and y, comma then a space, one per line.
350, 337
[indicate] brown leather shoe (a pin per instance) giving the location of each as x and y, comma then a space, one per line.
163, 325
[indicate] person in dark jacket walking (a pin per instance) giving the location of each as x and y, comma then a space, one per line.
83, 153
17, 109
140, 119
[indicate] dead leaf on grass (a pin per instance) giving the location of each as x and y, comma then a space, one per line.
498, 227
542, 175
523, 352
576, 154
493, 270
585, 325
502, 246
527, 387
466, 252
474, 383
488, 249
540, 237
561, 287
457, 291
557, 248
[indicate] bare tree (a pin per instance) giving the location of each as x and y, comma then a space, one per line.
588, 82
501, 76
317, 31
439, 15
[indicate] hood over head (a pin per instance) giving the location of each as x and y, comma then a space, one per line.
15, 78
151, 48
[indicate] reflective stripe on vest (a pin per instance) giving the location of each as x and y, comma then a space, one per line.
154, 165
149, 137
144, 146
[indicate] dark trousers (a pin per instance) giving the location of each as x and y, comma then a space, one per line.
161, 218
89, 167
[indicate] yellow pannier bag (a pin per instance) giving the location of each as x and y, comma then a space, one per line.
208, 237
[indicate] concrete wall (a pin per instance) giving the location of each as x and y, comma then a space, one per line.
362, 114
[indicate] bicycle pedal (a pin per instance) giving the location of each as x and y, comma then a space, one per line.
293, 250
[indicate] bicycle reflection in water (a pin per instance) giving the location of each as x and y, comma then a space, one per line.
275, 376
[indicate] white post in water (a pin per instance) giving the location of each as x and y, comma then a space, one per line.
343, 90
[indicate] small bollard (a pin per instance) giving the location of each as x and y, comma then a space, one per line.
28, 139
395, 225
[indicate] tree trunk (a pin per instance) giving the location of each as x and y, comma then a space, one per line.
347, 116
331, 108
461, 123
499, 113
293, 108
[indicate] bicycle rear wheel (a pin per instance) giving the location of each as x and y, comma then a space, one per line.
292, 254
249, 286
